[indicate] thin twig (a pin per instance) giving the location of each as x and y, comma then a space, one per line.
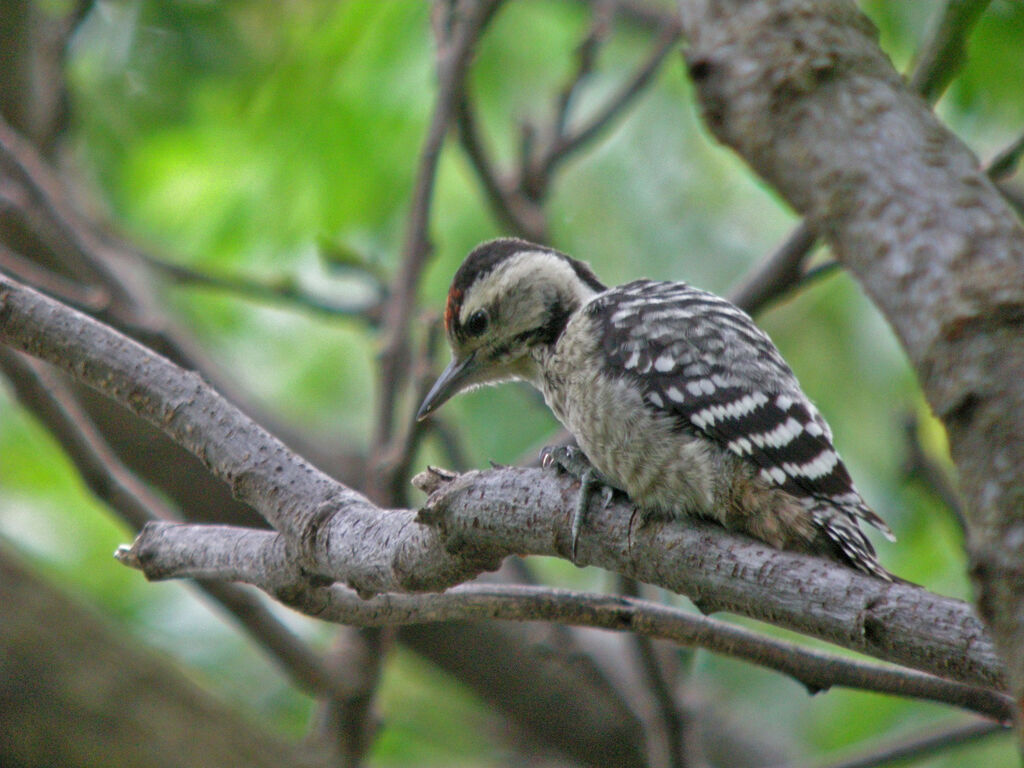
641, 15
945, 52
1005, 163
917, 747
538, 179
281, 291
398, 461
820, 272
586, 57
919, 465
816, 670
349, 725
768, 280
1013, 194
521, 216
672, 716
517, 203
86, 297
467, 20
53, 217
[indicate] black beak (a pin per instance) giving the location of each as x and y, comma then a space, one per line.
454, 378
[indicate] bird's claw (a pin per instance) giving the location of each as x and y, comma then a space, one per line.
566, 458
573, 461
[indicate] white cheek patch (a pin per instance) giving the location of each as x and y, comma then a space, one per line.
525, 274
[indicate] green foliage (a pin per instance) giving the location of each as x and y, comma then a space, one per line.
240, 137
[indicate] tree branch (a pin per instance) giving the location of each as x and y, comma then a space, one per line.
256, 557
801, 91
515, 211
937, 65
285, 291
919, 746
511, 511
675, 729
293, 496
918, 465
777, 274
468, 21
135, 504
472, 522
945, 53
537, 176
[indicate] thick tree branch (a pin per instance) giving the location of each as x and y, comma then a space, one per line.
259, 558
938, 62
295, 497
478, 519
719, 571
495, 513
802, 92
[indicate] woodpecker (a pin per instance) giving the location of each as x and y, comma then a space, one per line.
673, 394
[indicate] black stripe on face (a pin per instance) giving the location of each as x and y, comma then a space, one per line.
557, 318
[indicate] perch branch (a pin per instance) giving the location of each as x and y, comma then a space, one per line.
473, 521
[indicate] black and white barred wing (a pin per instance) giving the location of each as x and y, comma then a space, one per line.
703, 360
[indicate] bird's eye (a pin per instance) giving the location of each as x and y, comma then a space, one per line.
477, 322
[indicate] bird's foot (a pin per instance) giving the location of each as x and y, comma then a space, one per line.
572, 460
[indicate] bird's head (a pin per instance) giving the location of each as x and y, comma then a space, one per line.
508, 297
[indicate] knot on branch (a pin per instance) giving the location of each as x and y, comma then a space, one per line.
142, 554
448, 494
314, 542
432, 479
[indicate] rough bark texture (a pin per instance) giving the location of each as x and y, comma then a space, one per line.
74, 694
486, 516
802, 92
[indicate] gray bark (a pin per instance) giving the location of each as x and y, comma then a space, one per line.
802, 92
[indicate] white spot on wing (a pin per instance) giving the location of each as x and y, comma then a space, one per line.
820, 466
703, 419
741, 446
664, 363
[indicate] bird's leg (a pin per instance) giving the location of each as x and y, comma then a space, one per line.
573, 461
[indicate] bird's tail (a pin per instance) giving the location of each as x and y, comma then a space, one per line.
840, 524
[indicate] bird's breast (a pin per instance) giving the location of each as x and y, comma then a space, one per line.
640, 449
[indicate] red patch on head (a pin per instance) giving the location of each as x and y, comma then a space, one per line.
451, 309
